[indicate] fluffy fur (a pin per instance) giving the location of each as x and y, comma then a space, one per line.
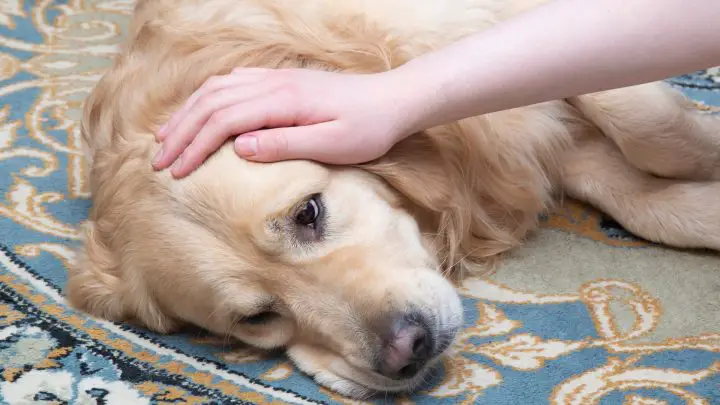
219, 247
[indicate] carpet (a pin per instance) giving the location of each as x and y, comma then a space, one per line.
583, 314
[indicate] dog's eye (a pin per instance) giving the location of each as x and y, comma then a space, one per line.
309, 213
260, 318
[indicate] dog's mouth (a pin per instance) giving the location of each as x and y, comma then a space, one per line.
418, 340
392, 373
368, 383
381, 351
363, 384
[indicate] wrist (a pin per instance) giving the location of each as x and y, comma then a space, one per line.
414, 98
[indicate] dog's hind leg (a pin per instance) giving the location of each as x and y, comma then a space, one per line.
657, 129
677, 213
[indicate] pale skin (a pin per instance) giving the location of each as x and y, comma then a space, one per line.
563, 49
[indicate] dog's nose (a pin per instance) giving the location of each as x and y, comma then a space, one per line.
408, 349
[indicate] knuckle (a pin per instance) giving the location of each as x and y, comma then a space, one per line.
172, 151
283, 78
191, 155
277, 144
213, 81
219, 119
205, 102
288, 91
203, 87
211, 84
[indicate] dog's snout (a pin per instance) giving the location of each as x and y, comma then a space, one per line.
408, 349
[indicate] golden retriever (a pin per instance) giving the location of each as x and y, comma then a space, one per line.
346, 268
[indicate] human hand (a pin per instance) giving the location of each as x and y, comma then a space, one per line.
334, 118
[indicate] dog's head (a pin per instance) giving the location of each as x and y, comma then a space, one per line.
343, 267
324, 262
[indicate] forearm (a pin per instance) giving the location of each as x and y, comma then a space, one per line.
562, 49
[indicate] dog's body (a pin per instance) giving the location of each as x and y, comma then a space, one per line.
356, 296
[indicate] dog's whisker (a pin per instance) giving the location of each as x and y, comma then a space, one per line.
227, 334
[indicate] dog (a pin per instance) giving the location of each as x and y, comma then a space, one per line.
351, 269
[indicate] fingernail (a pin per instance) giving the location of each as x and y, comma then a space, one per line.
246, 145
177, 165
160, 132
157, 157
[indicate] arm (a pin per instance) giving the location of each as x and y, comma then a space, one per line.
562, 49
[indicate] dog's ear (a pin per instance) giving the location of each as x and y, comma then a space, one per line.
96, 286
416, 168
482, 180
432, 171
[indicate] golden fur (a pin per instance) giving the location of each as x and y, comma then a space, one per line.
220, 246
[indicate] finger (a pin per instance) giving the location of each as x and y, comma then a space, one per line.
213, 84
195, 119
210, 85
236, 119
197, 152
319, 142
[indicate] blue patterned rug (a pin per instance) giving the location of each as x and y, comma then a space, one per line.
584, 314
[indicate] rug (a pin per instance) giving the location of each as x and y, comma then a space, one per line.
583, 314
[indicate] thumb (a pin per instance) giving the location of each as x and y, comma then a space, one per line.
320, 142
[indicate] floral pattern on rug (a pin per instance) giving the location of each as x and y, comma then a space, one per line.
603, 338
